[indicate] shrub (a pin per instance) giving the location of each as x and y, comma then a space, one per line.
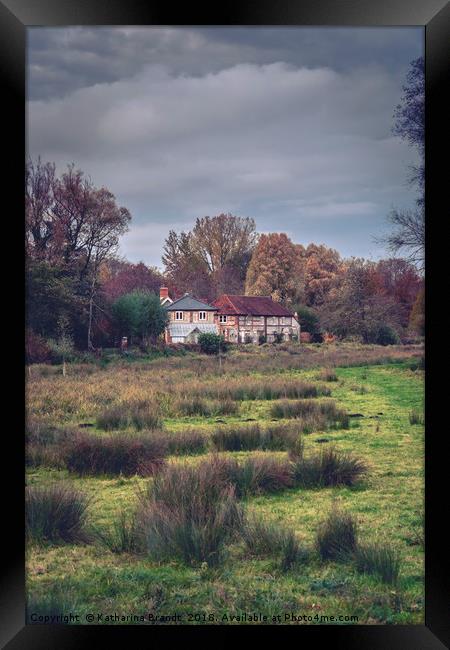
329, 467
140, 415
337, 536
190, 513
56, 514
115, 454
212, 343
383, 335
262, 338
378, 559
277, 337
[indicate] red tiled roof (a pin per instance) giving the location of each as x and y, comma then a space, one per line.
250, 305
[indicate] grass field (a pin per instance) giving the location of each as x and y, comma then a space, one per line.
380, 389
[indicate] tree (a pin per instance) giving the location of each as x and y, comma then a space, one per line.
400, 280
211, 258
74, 227
408, 232
274, 269
417, 318
356, 309
322, 268
62, 347
309, 322
139, 314
118, 277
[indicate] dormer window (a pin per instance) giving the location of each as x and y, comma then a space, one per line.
202, 315
178, 315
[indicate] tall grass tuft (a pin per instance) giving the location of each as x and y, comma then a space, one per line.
119, 453
190, 513
56, 513
196, 406
188, 441
262, 538
329, 467
139, 415
246, 438
257, 474
336, 537
124, 537
415, 417
52, 607
379, 559
319, 412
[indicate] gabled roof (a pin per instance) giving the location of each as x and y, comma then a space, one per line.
250, 305
189, 303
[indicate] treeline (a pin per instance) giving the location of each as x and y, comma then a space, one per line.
80, 295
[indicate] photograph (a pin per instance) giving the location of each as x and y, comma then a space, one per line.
225, 325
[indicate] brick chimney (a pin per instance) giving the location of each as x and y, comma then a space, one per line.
163, 293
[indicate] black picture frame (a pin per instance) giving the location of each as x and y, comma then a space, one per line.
434, 15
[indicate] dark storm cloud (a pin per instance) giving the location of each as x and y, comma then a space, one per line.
289, 126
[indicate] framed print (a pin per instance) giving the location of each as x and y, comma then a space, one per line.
230, 227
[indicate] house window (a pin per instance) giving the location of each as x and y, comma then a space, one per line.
222, 318
202, 315
178, 315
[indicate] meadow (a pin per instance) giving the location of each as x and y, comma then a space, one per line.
282, 484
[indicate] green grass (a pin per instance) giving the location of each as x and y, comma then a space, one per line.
385, 505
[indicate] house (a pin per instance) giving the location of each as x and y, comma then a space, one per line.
240, 319
188, 317
244, 319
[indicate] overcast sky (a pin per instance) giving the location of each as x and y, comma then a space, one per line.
290, 126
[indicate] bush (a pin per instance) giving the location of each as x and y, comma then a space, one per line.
277, 337
190, 513
212, 343
379, 559
330, 467
262, 338
140, 415
56, 514
383, 335
115, 454
337, 536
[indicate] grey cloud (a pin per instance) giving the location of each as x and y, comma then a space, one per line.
65, 59
301, 148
